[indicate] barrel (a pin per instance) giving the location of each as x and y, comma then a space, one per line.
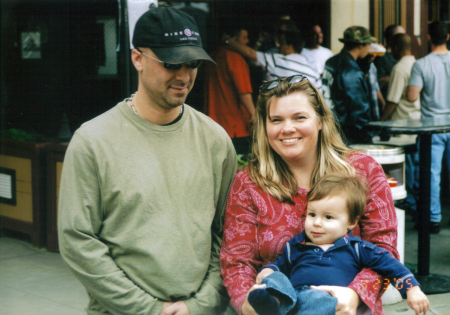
392, 160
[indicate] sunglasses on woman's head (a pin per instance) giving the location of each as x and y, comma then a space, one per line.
267, 86
176, 66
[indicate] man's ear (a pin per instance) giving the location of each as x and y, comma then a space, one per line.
136, 59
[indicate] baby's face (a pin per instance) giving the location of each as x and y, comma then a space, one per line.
327, 219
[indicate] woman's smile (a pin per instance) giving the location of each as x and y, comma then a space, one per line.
293, 128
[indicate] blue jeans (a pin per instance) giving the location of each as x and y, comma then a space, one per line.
440, 143
411, 179
299, 302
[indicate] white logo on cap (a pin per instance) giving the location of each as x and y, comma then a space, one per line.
187, 32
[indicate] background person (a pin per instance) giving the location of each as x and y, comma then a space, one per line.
398, 107
345, 88
313, 50
295, 143
144, 186
228, 92
288, 61
386, 62
430, 78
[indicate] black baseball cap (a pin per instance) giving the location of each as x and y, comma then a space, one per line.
171, 34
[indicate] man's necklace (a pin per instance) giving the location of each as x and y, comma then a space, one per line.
130, 99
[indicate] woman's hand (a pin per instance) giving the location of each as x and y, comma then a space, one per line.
264, 273
348, 299
247, 309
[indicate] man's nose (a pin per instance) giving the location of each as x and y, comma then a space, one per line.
184, 74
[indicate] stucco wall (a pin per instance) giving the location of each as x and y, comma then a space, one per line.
345, 13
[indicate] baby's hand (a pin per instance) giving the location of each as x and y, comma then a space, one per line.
264, 273
417, 300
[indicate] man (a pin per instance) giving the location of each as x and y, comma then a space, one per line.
288, 61
430, 78
144, 186
313, 51
345, 88
228, 92
398, 107
385, 63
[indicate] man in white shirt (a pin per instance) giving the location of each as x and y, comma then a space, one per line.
313, 51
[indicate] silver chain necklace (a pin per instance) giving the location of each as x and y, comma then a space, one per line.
134, 109
131, 103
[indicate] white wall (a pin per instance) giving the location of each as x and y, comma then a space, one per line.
346, 13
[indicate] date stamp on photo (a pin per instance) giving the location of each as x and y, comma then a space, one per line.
399, 284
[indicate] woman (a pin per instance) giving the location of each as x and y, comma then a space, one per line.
295, 142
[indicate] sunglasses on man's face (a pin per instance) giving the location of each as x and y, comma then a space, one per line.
176, 66
267, 86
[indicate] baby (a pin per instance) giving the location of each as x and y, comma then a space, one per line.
326, 254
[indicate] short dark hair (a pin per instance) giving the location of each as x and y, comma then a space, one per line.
438, 33
287, 30
401, 41
355, 190
234, 30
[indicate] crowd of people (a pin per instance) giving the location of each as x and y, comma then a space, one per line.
359, 85
155, 219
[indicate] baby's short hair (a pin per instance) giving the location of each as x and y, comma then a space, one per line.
355, 190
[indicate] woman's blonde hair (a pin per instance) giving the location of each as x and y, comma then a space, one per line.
268, 170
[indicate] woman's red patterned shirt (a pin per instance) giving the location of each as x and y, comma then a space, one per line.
257, 227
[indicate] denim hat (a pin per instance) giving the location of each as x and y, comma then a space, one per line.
357, 34
171, 34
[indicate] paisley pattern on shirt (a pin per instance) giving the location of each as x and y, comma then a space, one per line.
257, 227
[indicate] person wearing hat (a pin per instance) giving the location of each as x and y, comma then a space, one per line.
345, 88
144, 186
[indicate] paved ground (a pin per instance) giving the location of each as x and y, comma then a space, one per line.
37, 282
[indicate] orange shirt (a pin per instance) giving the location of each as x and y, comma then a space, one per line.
223, 84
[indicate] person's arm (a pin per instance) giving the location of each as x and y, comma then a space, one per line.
413, 93
381, 100
415, 83
381, 261
244, 50
239, 258
388, 110
247, 101
395, 91
80, 220
212, 296
378, 225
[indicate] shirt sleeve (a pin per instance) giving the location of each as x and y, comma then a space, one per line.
80, 219
283, 263
396, 87
380, 260
416, 78
261, 59
212, 293
239, 258
240, 73
378, 225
